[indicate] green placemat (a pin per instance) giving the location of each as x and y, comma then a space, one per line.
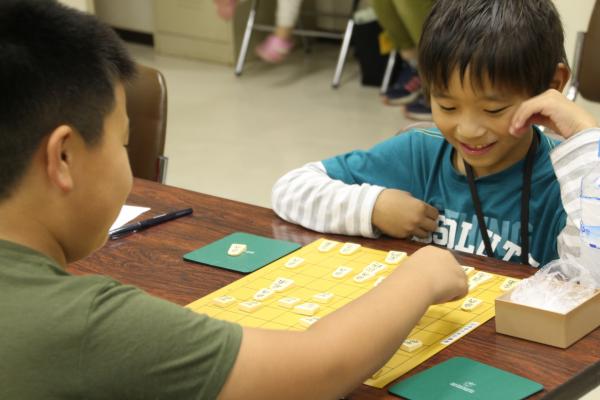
461, 378
261, 251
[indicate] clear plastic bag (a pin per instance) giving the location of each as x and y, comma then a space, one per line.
559, 286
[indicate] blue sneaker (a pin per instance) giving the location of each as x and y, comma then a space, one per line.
405, 89
418, 110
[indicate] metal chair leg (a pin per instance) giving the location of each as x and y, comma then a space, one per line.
163, 162
337, 76
573, 89
388, 72
343, 52
246, 40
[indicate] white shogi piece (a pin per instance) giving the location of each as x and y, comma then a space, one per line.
288, 302
323, 298
467, 269
294, 262
479, 278
224, 301
394, 257
349, 248
282, 284
470, 304
508, 284
378, 281
308, 321
363, 277
341, 272
374, 268
327, 245
411, 345
236, 249
309, 309
263, 294
250, 305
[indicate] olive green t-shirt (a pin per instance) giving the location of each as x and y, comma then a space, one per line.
89, 337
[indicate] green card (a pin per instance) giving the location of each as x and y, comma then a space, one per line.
260, 252
461, 378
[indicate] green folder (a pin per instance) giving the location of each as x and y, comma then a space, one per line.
461, 378
261, 251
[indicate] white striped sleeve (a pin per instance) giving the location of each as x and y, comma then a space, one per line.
572, 159
309, 197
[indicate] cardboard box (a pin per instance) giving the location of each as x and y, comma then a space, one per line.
542, 326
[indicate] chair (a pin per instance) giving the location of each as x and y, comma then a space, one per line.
586, 62
345, 37
387, 75
147, 109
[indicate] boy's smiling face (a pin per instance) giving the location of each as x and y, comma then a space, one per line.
475, 121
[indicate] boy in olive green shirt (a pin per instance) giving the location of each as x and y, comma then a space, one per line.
89, 337
64, 175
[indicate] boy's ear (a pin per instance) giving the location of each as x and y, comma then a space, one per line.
561, 77
59, 157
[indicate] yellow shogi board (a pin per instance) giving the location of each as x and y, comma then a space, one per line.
441, 326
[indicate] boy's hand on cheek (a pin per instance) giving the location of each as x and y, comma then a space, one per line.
399, 214
553, 110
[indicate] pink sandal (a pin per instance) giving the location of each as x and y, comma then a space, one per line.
274, 49
225, 8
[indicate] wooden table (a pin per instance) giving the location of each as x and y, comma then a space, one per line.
152, 260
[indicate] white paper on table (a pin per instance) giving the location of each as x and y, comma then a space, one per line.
127, 214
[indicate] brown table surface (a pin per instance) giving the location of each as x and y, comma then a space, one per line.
152, 260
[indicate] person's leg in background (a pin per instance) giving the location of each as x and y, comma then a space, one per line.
225, 8
405, 88
413, 14
277, 46
403, 21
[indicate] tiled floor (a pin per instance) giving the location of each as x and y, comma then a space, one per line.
234, 136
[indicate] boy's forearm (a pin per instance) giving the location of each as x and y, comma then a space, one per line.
338, 352
309, 197
376, 325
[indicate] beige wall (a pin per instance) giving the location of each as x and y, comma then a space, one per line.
83, 5
575, 16
135, 15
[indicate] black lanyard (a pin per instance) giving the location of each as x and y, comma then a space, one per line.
525, 195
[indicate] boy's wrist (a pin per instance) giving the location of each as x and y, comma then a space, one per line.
368, 228
590, 124
379, 208
581, 132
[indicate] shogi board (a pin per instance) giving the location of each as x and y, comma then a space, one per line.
442, 324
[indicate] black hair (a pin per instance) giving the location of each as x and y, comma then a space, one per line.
517, 44
57, 66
